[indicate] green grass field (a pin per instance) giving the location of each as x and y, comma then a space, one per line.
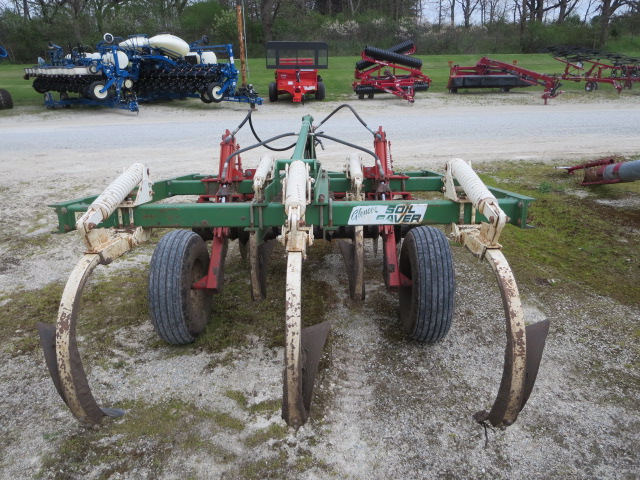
338, 77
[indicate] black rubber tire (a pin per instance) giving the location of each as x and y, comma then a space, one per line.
589, 86
398, 58
273, 92
320, 92
399, 48
214, 91
40, 85
179, 314
426, 307
93, 92
205, 98
6, 102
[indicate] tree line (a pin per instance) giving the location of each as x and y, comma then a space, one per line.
437, 26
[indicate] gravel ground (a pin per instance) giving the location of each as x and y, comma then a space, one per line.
385, 408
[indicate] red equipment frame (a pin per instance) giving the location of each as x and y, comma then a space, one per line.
385, 73
297, 65
488, 73
619, 76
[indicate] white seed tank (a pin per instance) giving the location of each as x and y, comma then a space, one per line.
123, 60
170, 45
137, 43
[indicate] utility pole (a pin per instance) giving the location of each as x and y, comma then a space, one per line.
243, 54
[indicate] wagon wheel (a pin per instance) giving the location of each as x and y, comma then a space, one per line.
179, 313
426, 305
320, 93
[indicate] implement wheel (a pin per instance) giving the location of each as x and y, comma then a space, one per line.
215, 92
426, 306
273, 92
94, 92
6, 102
179, 313
204, 96
320, 93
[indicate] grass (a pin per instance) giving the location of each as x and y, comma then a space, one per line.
107, 305
578, 240
337, 78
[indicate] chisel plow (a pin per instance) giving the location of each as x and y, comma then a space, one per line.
294, 200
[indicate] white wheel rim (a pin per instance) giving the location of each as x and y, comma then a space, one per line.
98, 94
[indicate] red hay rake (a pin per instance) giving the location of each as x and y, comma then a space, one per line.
390, 71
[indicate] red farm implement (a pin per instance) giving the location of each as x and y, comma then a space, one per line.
607, 170
297, 65
390, 71
488, 73
594, 67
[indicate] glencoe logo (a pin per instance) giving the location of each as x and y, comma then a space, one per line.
403, 213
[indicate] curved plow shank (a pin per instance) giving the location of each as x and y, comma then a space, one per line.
524, 347
104, 245
523, 352
293, 410
353, 255
303, 350
67, 371
510, 394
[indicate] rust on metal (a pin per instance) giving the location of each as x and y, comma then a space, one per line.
353, 255
508, 402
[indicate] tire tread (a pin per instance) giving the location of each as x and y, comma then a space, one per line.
429, 252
